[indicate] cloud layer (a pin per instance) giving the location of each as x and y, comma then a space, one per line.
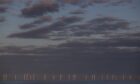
42, 32
51, 6
39, 9
66, 25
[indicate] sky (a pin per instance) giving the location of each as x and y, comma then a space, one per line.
71, 29
22, 21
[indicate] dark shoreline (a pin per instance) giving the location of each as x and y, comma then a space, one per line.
69, 82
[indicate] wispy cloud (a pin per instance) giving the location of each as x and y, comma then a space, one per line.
37, 22
42, 32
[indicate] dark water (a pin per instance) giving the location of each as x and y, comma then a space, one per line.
69, 82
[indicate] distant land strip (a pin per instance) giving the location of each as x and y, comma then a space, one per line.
66, 76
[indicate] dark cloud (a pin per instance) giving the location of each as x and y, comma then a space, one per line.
28, 2
119, 42
37, 22
10, 49
5, 1
59, 25
4, 5
92, 2
71, 19
77, 12
110, 1
84, 2
108, 23
50, 6
118, 2
43, 19
27, 26
3, 9
99, 25
39, 10
136, 35
2, 19
72, 1
125, 40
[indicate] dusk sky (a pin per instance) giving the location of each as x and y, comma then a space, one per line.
69, 30
22, 21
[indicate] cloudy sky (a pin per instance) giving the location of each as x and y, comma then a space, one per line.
70, 28
54, 22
